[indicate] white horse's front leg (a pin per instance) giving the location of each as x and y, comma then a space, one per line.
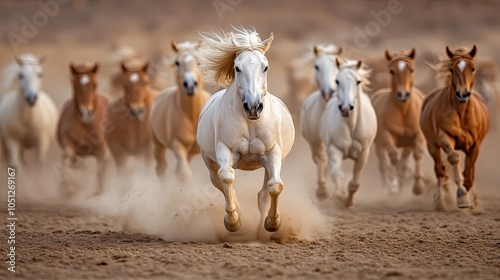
14, 151
42, 149
319, 157
226, 159
335, 157
272, 164
181, 153
359, 164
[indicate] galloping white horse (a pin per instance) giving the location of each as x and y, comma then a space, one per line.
244, 126
28, 117
349, 125
314, 105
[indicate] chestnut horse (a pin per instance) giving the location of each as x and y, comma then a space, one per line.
455, 118
80, 131
398, 112
129, 134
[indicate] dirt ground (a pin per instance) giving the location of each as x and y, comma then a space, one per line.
143, 228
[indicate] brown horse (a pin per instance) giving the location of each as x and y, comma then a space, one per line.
128, 133
455, 118
80, 131
398, 112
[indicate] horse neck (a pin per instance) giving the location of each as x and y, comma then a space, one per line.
190, 105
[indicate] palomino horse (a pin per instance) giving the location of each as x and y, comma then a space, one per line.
398, 112
128, 133
81, 125
314, 105
455, 118
175, 113
485, 83
244, 126
28, 117
349, 125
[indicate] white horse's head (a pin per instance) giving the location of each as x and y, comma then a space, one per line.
326, 68
238, 58
30, 75
189, 74
350, 82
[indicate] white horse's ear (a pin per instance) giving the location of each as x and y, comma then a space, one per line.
338, 62
473, 52
358, 65
267, 42
388, 55
19, 61
412, 54
340, 50
449, 53
41, 59
174, 46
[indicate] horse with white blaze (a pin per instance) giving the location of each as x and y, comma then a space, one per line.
243, 126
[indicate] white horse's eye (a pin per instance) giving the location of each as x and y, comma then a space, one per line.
21, 76
267, 68
40, 75
337, 82
316, 67
237, 69
358, 82
177, 63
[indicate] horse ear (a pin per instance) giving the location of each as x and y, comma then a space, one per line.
412, 54
473, 52
95, 68
358, 65
145, 67
124, 67
338, 62
340, 50
315, 50
388, 55
41, 59
72, 68
174, 46
449, 53
267, 42
19, 61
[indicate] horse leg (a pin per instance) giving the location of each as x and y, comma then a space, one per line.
263, 200
42, 149
159, 154
392, 179
181, 154
4, 153
319, 158
470, 162
402, 167
447, 144
418, 155
272, 163
335, 157
383, 165
442, 177
103, 160
69, 157
226, 159
13, 149
359, 164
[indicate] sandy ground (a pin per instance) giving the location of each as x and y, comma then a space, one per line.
143, 228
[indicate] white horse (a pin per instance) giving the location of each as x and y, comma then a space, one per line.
28, 116
349, 125
244, 126
314, 105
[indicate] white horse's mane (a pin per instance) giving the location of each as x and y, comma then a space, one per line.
10, 73
363, 73
219, 50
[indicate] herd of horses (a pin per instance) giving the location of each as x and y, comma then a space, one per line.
245, 127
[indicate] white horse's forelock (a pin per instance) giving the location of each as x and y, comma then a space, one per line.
363, 73
10, 73
219, 50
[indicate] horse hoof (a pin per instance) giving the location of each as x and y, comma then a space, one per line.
322, 193
348, 203
232, 227
418, 188
272, 225
464, 201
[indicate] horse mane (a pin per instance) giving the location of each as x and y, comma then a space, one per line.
363, 72
219, 50
443, 66
12, 70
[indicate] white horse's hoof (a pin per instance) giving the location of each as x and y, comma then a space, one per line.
272, 225
322, 193
232, 227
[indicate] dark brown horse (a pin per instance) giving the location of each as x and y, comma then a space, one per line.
81, 124
455, 118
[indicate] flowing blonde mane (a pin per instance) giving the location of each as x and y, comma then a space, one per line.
219, 50
443, 66
363, 72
